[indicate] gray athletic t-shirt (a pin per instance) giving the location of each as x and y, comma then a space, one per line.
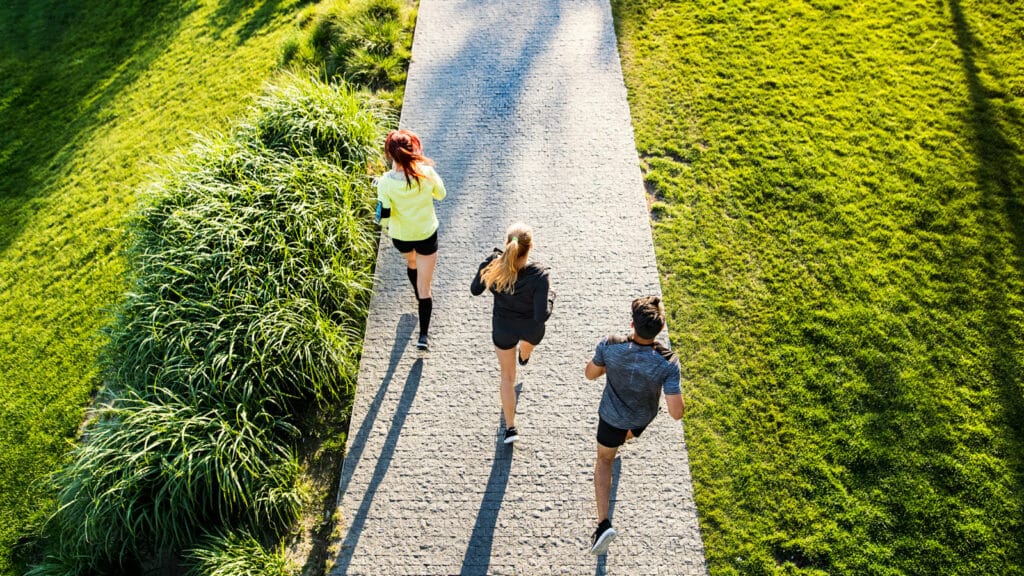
636, 375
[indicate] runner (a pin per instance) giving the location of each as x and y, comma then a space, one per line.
521, 292
405, 196
639, 370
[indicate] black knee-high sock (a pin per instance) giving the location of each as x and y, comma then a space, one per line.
411, 272
426, 307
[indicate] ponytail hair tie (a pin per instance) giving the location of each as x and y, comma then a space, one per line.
514, 239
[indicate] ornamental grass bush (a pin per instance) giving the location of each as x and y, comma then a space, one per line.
365, 42
236, 555
250, 267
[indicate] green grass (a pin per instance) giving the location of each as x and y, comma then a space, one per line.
364, 42
837, 188
250, 266
92, 96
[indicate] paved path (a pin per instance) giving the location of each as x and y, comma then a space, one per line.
523, 107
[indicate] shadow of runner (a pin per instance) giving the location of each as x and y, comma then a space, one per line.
412, 384
402, 334
478, 554
602, 560
477, 559
316, 559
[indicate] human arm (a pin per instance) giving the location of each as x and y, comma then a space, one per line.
540, 298
383, 210
477, 287
673, 394
596, 368
676, 406
593, 371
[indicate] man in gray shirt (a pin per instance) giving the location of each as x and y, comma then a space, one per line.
638, 371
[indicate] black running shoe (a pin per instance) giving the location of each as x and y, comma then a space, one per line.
511, 435
421, 344
603, 536
519, 358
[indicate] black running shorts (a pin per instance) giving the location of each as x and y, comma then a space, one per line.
506, 333
423, 247
612, 437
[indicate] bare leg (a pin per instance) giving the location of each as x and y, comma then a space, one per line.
410, 259
425, 265
525, 349
410, 271
603, 480
507, 362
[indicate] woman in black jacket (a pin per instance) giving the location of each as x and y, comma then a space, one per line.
520, 291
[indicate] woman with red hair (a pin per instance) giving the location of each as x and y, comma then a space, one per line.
405, 197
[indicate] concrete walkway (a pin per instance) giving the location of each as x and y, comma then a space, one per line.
523, 107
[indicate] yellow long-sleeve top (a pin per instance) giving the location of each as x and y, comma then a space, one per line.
412, 207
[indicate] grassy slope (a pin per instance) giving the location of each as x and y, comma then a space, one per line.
839, 194
90, 95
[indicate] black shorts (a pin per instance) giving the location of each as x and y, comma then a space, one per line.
612, 437
506, 333
424, 247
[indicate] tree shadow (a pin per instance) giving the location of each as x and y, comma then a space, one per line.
65, 62
355, 529
1000, 178
909, 456
231, 11
477, 559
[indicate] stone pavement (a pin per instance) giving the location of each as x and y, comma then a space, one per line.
523, 107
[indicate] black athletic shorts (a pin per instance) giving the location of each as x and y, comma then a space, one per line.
424, 247
612, 437
506, 333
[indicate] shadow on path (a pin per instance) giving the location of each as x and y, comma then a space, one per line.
402, 334
317, 557
477, 559
412, 384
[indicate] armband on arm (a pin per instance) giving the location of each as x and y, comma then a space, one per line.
381, 214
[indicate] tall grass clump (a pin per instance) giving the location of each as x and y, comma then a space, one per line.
237, 555
250, 269
366, 42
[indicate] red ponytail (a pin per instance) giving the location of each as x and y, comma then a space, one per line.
404, 148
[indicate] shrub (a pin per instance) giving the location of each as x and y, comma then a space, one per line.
153, 475
251, 272
365, 43
236, 555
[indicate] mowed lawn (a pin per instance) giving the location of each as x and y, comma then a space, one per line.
837, 187
92, 96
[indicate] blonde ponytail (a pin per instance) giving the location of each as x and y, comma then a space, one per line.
502, 272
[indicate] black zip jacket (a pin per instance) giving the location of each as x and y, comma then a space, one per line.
529, 297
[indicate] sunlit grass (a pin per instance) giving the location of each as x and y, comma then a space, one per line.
250, 266
92, 97
837, 192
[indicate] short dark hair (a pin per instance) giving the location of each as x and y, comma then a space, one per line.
648, 316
